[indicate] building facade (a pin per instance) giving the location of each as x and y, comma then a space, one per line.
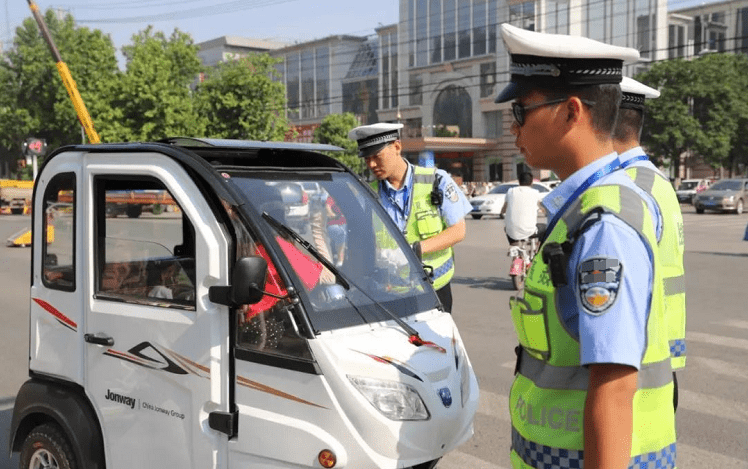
440, 67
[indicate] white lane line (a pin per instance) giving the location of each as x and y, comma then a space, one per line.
459, 460
721, 367
720, 340
691, 456
739, 323
711, 405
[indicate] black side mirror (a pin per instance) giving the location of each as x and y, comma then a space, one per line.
247, 283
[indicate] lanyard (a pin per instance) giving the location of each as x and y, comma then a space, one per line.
633, 160
607, 169
402, 209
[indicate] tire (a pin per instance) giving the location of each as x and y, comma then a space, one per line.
134, 210
477, 217
699, 210
47, 448
739, 207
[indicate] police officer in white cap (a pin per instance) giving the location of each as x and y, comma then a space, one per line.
626, 142
425, 204
593, 386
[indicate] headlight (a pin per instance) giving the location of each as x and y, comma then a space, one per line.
729, 198
396, 401
464, 370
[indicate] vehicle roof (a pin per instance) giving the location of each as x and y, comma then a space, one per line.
247, 144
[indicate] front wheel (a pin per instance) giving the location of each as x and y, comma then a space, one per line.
739, 207
47, 448
477, 217
518, 281
699, 209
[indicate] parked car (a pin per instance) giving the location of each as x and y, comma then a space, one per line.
490, 204
688, 188
727, 195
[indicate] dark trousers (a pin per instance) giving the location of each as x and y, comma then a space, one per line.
445, 296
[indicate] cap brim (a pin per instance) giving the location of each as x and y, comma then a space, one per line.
513, 91
372, 150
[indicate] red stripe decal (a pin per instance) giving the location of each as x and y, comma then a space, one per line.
51, 310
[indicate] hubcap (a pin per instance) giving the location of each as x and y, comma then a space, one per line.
43, 459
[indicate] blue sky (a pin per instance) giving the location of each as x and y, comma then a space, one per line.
279, 20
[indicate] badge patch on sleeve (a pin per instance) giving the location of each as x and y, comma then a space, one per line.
451, 192
599, 280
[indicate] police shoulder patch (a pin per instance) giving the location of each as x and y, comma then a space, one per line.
451, 192
599, 279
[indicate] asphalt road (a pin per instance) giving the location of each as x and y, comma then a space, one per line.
713, 412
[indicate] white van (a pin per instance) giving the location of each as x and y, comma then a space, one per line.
210, 334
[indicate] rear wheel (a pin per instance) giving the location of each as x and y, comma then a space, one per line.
699, 209
518, 281
47, 448
134, 210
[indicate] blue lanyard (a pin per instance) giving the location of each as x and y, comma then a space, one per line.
633, 160
607, 169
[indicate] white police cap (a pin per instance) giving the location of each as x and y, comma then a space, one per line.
634, 93
374, 137
559, 61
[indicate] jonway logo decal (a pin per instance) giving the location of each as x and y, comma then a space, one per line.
150, 356
61, 318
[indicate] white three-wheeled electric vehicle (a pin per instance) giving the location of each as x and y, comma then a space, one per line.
198, 307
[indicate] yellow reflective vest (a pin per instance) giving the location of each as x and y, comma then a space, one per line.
548, 395
424, 222
672, 247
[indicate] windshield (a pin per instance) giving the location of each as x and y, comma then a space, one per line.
727, 186
502, 188
346, 226
686, 186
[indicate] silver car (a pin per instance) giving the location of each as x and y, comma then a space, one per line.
727, 195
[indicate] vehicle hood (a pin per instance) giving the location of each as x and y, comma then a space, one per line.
725, 193
485, 197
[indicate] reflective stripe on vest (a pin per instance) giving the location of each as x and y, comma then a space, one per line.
535, 455
671, 255
425, 222
547, 398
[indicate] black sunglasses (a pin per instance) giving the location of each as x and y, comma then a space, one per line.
519, 111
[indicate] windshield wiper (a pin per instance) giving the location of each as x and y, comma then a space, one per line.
413, 336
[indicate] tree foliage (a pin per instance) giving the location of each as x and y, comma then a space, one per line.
702, 109
334, 131
241, 100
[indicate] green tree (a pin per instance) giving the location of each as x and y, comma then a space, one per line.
701, 110
153, 97
33, 99
242, 99
334, 131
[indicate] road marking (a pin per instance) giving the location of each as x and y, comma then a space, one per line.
509, 365
722, 367
460, 460
691, 456
734, 323
712, 405
722, 341
494, 405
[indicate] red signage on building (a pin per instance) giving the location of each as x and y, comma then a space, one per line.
301, 133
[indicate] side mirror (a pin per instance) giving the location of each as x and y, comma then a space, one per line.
248, 280
247, 283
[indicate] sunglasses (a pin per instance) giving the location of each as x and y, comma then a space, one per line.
520, 112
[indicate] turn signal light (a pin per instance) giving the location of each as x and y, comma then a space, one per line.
327, 458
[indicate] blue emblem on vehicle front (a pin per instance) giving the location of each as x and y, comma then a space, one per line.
445, 396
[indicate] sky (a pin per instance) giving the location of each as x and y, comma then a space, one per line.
286, 21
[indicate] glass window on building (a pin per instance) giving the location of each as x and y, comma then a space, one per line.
743, 30
292, 85
479, 27
422, 31
676, 41
416, 90
646, 23
596, 15
487, 79
307, 84
493, 24
412, 29
413, 128
450, 20
463, 32
493, 122
385, 51
557, 17
395, 87
435, 30
454, 108
620, 24
323, 80
522, 15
